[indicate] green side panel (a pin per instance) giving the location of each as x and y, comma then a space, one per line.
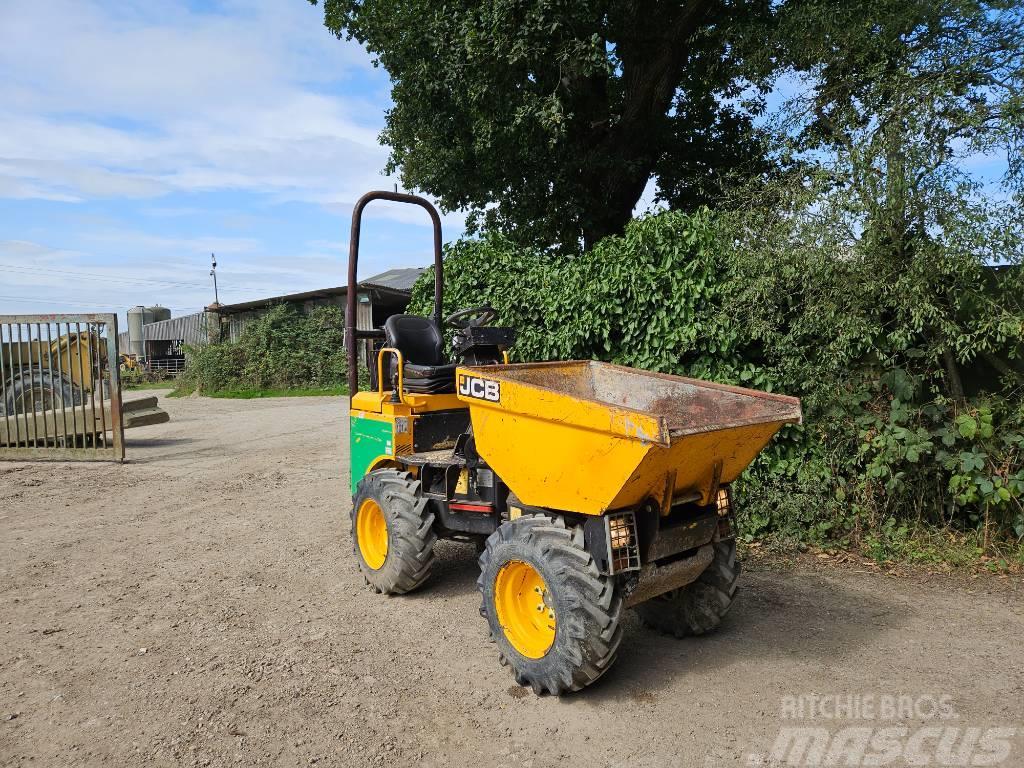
368, 439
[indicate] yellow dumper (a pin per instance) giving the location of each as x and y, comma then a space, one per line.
589, 488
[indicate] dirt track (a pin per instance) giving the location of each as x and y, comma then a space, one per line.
200, 606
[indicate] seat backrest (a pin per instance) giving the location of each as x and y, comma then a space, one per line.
418, 339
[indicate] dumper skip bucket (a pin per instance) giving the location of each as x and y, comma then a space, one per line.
588, 437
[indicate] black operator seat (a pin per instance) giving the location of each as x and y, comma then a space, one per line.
422, 346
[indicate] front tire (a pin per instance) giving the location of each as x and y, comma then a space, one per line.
700, 606
392, 531
554, 617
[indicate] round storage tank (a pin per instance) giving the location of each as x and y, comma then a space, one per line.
136, 345
156, 314
138, 317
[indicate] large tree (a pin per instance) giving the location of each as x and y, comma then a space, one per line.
548, 119
900, 99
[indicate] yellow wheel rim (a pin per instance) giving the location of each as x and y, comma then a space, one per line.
523, 604
372, 533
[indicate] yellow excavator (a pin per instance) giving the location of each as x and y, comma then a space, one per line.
38, 374
56, 392
589, 488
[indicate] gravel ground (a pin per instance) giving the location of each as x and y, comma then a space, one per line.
200, 605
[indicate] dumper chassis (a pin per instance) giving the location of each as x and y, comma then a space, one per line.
588, 488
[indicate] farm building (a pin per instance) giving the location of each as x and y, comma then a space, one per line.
162, 341
380, 297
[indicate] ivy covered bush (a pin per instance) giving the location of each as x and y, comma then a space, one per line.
910, 378
283, 349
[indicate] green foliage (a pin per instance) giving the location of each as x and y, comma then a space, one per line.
283, 349
899, 92
132, 377
710, 296
161, 383
141, 378
645, 299
877, 301
547, 120
890, 116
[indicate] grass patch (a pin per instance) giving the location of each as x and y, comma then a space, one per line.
921, 546
252, 394
166, 384
928, 545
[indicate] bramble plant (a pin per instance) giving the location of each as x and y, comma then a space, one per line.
283, 349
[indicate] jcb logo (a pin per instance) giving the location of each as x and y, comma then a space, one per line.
481, 389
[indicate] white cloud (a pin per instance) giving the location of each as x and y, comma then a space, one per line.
65, 279
72, 182
15, 189
451, 223
137, 99
32, 253
127, 240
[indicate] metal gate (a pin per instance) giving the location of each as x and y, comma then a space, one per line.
60, 393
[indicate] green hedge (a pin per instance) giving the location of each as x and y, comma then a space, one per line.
885, 447
283, 349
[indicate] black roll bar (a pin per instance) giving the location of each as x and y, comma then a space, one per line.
351, 334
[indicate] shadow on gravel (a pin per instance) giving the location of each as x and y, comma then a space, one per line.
455, 571
157, 442
791, 617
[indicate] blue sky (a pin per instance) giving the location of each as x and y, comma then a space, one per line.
138, 137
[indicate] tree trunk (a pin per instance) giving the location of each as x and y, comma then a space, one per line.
652, 61
953, 380
1001, 365
622, 196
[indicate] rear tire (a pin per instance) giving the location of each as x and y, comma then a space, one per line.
39, 389
535, 567
700, 606
391, 516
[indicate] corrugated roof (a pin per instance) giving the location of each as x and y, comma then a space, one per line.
394, 281
244, 306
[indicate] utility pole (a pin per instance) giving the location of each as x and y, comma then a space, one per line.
213, 274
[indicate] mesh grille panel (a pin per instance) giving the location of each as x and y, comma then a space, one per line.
623, 549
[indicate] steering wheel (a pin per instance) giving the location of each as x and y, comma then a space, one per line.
474, 317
